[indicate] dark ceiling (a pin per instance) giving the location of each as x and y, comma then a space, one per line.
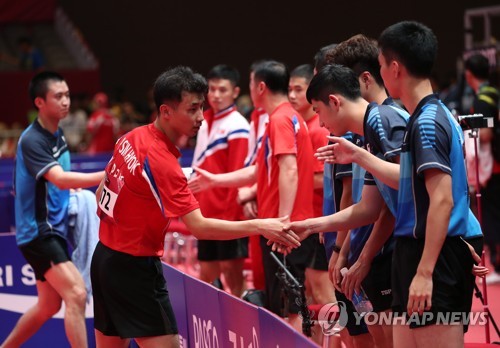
136, 40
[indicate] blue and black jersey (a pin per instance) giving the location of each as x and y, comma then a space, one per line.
384, 127
433, 140
41, 207
332, 193
359, 235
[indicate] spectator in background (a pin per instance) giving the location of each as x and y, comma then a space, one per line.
29, 58
486, 99
102, 128
74, 125
130, 117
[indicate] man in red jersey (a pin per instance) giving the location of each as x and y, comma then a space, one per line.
284, 163
143, 189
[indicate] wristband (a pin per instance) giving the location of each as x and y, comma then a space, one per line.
336, 249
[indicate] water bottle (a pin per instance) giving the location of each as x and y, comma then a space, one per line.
360, 301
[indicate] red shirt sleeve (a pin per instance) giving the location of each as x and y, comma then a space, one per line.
168, 183
282, 135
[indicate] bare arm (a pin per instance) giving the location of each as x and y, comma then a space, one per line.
343, 151
365, 212
246, 194
207, 228
318, 180
66, 180
205, 180
438, 185
288, 183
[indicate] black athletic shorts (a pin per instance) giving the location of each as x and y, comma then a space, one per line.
451, 278
220, 250
297, 262
130, 295
377, 283
355, 326
44, 252
317, 254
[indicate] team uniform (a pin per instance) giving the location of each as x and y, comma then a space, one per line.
286, 133
319, 139
41, 208
333, 176
384, 127
258, 123
433, 139
144, 188
221, 147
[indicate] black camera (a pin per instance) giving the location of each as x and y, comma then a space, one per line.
475, 121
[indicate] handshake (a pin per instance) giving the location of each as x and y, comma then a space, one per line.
281, 234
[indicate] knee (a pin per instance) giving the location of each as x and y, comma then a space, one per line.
77, 297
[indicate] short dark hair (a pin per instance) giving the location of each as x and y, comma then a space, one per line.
478, 65
320, 56
411, 43
39, 84
172, 83
305, 70
358, 53
225, 72
274, 74
333, 79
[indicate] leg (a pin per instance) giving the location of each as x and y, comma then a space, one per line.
165, 341
233, 275
438, 336
49, 303
103, 341
382, 333
403, 337
209, 271
321, 286
364, 340
67, 281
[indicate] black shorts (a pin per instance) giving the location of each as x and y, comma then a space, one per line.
220, 250
130, 295
297, 262
354, 326
451, 278
377, 283
44, 252
317, 253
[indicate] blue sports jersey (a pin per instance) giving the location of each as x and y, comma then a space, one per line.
433, 139
41, 207
473, 227
332, 193
384, 127
359, 235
